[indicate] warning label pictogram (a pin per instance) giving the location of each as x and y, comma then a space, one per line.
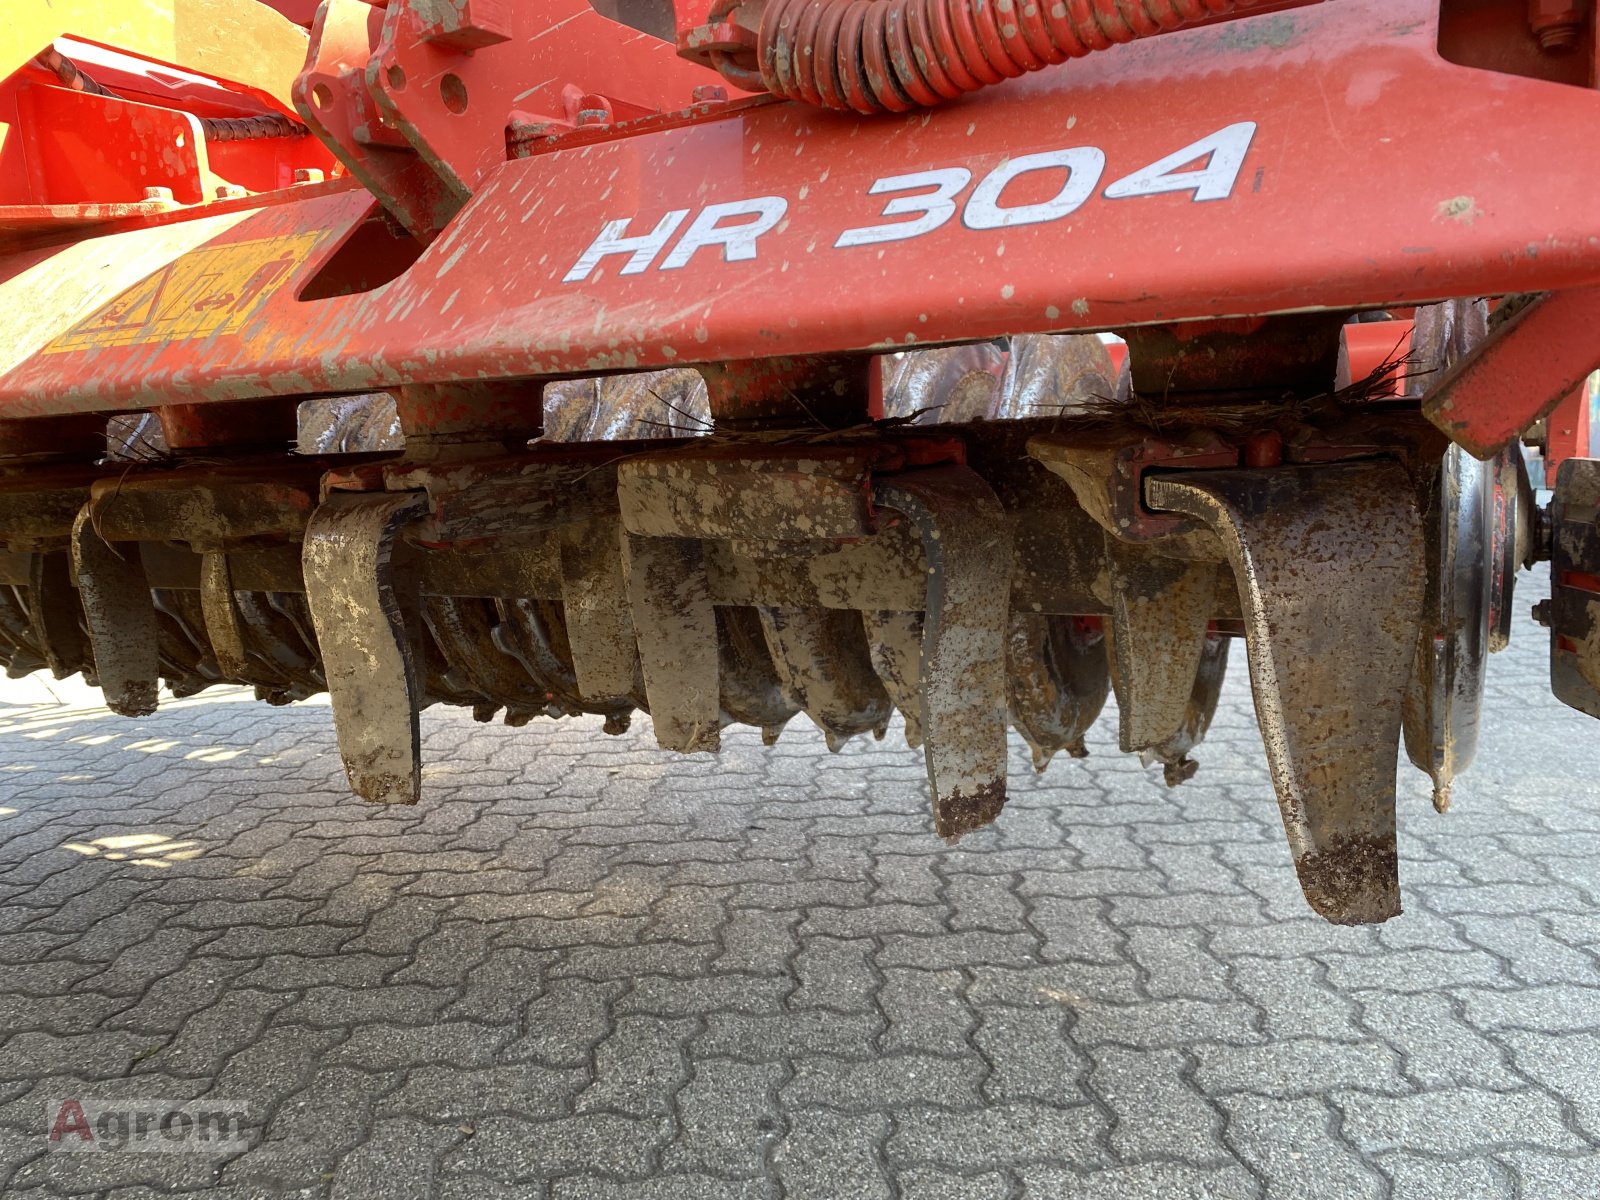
208, 291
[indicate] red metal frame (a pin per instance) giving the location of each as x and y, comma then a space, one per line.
1567, 430
1363, 185
1538, 356
74, 158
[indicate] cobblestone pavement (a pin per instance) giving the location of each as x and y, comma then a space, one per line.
585, 969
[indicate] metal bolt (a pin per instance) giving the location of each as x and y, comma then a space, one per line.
709, 93
1541, 613
230, 191
159, 195
308, 175
1263, 449
1557, 24
594, 116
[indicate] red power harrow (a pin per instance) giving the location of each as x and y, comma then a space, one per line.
741, 359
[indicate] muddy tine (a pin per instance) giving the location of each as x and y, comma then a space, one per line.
372, 674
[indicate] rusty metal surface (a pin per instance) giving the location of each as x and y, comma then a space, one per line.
1329, 565
188, 665
224, 629
371, 671
894, 641
1106, 469
594, 604
750, 491
887, 570
517, 498
1445, 700
748, 576
54, 614
38, 505
283, 660
19, 648
210, 504
752, 692
1464, 518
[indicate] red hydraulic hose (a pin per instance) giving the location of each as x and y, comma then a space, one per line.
895, 55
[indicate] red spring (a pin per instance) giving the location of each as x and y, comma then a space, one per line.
895, 55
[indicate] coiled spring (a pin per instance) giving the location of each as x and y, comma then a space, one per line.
895, 55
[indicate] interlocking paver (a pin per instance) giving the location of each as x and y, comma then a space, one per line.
585, 970
924, 1183
829, 1154
1014, 1132
510, 1148
1437, 1048
1458, 1120
1029, 1056
885, 1084
1417, 1177
1296, 1147
640, 1066
727, 1117
1159, 1112
1299, 1066
1168, 1181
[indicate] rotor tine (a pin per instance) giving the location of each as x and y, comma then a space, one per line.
1160, 608
121, 616
1329, 566
1059, 680
751, 689
676, 626
371, 669
1173, 752
223, 626
962, 676
823, 659
605, 652
895, 641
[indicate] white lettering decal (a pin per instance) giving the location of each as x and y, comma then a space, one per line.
641, 251
1084, 166
738, 242
1214, 181
927, 200
936, 207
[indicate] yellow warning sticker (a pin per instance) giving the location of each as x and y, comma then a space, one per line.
208, 291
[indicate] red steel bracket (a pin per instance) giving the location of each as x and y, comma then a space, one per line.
416, 98
1534, 359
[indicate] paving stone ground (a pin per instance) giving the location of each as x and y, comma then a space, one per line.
583, 969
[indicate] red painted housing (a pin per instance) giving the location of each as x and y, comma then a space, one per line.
1323, 157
